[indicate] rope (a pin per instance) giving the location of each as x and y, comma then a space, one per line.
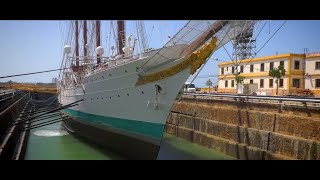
25, 74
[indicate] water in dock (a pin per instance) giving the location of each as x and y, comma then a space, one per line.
52, 142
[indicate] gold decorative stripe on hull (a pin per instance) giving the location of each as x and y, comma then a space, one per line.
195, 60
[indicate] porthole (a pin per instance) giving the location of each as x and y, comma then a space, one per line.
127, 94
109, 74
142, 92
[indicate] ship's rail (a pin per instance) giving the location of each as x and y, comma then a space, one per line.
106, 62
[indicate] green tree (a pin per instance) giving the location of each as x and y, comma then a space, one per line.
277, 73
209, 83
239, 79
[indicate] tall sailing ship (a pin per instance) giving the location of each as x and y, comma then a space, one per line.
124, 98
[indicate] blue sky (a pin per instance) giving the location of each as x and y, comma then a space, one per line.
29, 46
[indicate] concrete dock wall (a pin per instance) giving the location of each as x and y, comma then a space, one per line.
248, 131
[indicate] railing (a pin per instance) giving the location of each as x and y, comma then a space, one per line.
9, 91
276, 98
107, 63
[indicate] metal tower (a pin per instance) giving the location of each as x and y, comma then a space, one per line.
244, 46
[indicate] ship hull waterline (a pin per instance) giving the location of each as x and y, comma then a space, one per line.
112, 139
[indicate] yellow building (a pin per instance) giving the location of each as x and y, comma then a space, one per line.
257, 71
312, 76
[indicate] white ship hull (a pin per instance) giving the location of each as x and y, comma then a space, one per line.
113, 101
125, 105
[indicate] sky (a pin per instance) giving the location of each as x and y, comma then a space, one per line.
30, 46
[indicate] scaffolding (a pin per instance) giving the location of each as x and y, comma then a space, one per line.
244, 45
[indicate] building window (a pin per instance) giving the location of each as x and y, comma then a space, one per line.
296, 83
280, 82
271, 65
262, 67
282, 63
241, 69
222, 70
251, 68
226, 84
232, 70
251, 81
317, 65
232, 83
296, 64
261, 83
270, 83
317, 82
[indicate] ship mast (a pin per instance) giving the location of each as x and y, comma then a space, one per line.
85, 38
121, 36
98, 39
77, 44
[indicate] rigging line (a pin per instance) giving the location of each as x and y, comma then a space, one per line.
63, 57
91, 38
199, 70
33, 73
250, 42
208, 75
190, 29
235, 63
47, 112
261, 29
62, 35
70, 38
222, 78
150, 36
269, 26
185, 26
266, 42
256, 53
208, 59
109, 40
138, 37
228, 54
143, 38
144, 35
160, 35
105, 36
61, 39
115, 37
